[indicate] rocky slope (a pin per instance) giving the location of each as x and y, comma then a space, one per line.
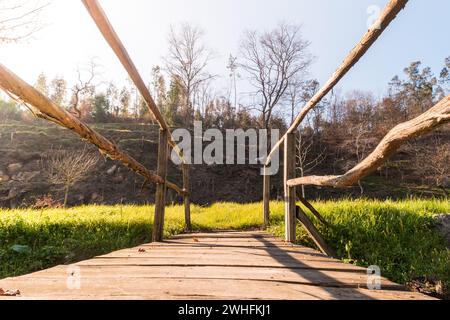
23, 182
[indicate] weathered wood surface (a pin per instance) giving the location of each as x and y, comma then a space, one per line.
160, 196
225, 265
266, 197
290, 199
314, 233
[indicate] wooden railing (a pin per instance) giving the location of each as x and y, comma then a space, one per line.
44, 108
292, 212
104, 25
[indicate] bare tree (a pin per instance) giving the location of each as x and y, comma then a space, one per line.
435, 117
272, 61
294, 97
305, 161
232, 66
84, 86
186, 61
204, 95
360, 144
19, 19
359, 117
432, 162
67, 168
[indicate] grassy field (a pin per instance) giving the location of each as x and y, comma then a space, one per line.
397, 236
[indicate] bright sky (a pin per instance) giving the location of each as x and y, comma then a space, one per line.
334, 27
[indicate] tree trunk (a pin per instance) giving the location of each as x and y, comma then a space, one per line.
66, 195
361, 188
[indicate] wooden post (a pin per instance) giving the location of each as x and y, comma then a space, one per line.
314, 233
160, 197
266, 197
289, 192
187, 200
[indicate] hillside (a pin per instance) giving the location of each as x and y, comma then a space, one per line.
22, 180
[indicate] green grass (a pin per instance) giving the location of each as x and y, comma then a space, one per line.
397, 236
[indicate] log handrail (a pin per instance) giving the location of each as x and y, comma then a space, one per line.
423, 124
391, 11
110, 35
44, 108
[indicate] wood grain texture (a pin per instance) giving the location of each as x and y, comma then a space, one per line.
289, 192
220, 265
266, 197
160, 196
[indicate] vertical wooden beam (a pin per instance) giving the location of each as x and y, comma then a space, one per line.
187, 200
160, 197
289, 192
314, 233
266, 197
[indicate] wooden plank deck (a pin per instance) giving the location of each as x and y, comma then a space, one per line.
225, 265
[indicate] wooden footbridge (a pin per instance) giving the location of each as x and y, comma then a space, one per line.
218, 266
227, 265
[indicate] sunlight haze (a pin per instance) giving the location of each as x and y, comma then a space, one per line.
70, 38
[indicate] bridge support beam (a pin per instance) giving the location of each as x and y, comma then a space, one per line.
160, 197
266, 197
187, 199
289, 192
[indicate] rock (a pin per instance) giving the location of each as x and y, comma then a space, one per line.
443, 226
118, 179
4, 177
112, 170
13, 193
95, 196
25, 176
14, 167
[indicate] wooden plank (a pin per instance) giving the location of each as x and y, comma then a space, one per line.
160, 197
266, 197
315, 234
117, 288
283, 276
289, 192
254, 253
168, 271
225, 235
240, 260
313, 210
233, 258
